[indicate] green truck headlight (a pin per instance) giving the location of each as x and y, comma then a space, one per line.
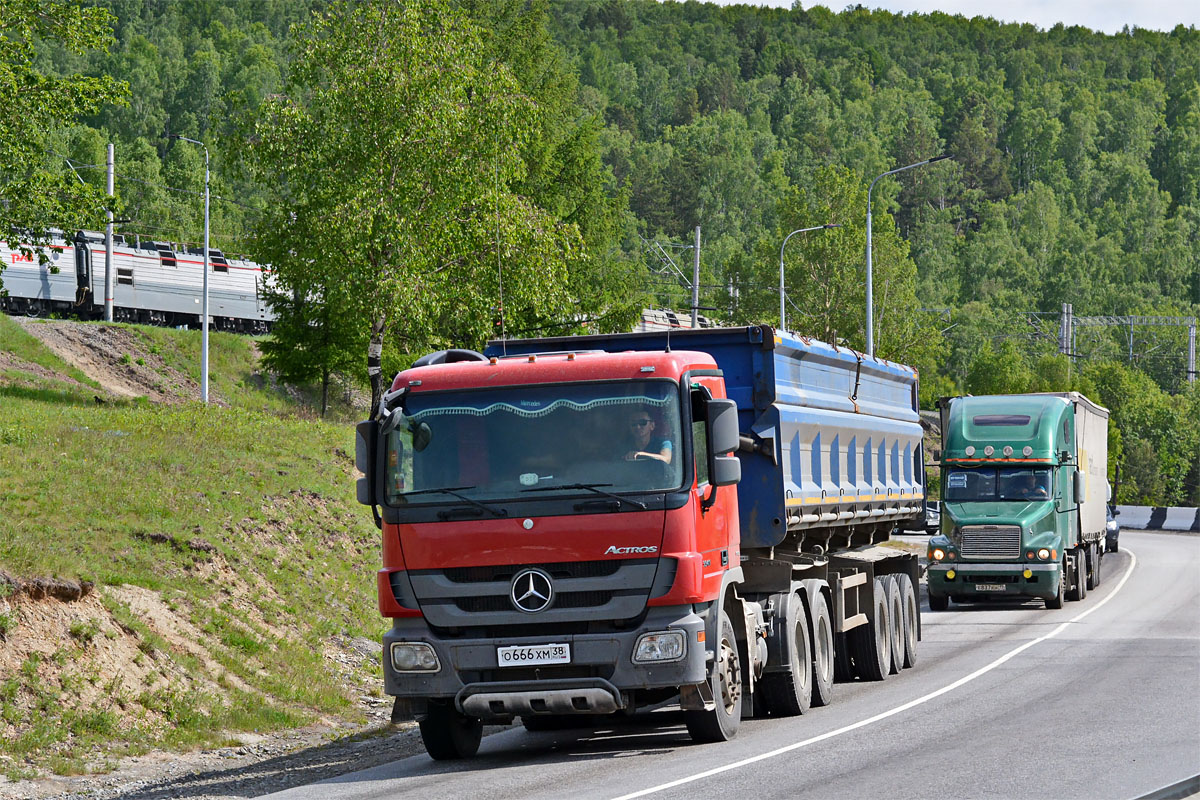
1043, 554
659, 646
937, 554
414, 657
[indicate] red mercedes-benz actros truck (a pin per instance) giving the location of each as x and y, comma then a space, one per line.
588, 525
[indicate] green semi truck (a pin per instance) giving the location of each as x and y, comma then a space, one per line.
1024, 490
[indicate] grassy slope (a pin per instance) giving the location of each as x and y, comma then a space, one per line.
155, 496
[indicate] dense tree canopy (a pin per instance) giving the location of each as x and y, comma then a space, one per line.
1075, 178
37, 192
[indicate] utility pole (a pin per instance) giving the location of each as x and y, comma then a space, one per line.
108, 246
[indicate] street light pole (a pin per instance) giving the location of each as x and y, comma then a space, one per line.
782, 310
204, 302
870, 303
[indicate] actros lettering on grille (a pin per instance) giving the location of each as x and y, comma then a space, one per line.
613, 550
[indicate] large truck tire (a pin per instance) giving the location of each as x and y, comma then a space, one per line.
1078, 589
1095, 556
843, 662
939, 602
912, 617
788, 692
871, 643
1057, 600
895, 624
449, 734
823, 652
721, 724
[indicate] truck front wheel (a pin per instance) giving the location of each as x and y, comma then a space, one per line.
449, 734
721, 723
1057, 600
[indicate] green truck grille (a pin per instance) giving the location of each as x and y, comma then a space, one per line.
990, 542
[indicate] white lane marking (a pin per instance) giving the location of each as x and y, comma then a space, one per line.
892, 712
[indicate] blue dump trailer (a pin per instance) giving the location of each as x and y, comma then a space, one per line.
588, 525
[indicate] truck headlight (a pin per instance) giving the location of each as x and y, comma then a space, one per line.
937, 554
414, 657
659, 646
1044, 554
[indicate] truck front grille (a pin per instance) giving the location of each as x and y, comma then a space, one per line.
991, 542
462, 597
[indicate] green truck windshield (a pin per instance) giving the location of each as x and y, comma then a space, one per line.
503, 442
997, 483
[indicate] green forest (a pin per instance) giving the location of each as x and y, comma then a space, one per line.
440, 172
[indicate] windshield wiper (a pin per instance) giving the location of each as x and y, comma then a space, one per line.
590, 487
455, 491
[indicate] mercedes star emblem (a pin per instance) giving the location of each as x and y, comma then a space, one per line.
531, 591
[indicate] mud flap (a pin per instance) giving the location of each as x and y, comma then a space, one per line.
697, 697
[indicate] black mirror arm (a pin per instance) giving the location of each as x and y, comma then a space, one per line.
709, 499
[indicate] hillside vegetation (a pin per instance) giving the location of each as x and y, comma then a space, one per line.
171, 574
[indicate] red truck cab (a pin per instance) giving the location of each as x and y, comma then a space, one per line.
542, 555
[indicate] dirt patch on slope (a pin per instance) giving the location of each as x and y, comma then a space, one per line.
117, 359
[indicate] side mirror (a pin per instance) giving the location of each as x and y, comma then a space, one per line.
723, 433
725, 470
366, 437
421, 435
1080, 486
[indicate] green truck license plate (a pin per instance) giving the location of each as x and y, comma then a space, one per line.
989, 587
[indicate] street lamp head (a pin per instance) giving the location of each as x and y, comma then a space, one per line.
942, 157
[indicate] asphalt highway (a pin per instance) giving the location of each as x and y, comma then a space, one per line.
1100, 699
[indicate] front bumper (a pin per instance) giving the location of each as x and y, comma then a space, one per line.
597, 680
1010, 578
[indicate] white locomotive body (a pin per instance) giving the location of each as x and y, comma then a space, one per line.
153, 282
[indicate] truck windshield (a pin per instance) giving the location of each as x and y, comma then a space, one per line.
499, 443
998, 483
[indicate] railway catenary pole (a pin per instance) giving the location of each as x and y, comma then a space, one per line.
108, 245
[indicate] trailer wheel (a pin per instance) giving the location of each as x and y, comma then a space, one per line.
895, 623
843, 665
721, 724
1095, 556
789, 692
872, 642
912, 613
449, 734
1057, 600
939, 602
823, 652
